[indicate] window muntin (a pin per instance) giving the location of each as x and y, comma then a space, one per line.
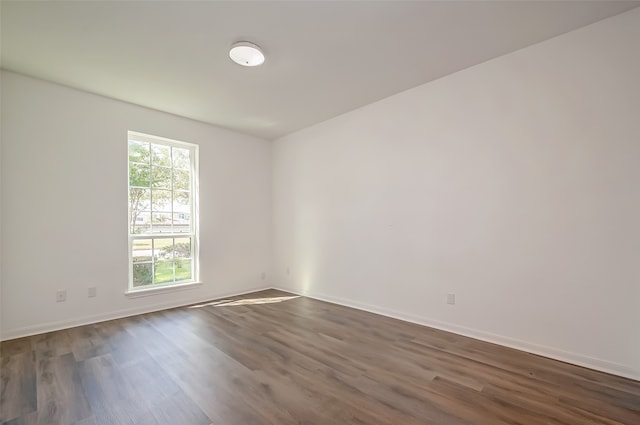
162, 225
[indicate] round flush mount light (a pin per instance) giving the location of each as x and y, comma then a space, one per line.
246, 54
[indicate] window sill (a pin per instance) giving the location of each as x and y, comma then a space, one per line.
135, 293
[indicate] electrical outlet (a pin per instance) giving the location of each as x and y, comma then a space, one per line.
451, 298
263, 276
61, 295
92, 292
288, 271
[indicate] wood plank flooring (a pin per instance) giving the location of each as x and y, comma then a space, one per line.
273, 358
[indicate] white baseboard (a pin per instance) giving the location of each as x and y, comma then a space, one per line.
541, 350
118, 314
553, 353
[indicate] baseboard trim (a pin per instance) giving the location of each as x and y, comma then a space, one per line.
118, 314
540, 350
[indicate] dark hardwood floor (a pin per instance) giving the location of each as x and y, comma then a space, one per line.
263, 359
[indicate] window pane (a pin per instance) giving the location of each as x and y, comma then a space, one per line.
181, 202
163, 249
139, 199
183, 269
142, 274
160, 155
138, 152
139, 222
181, 158
141, 229
142, 250
181, 180
182, 248
163, 272
161, 200
181, 223
139, 175
162, 177
161, 222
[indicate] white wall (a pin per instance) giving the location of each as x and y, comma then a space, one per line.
514, 184
64, 206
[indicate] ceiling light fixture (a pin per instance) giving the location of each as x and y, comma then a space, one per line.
246, 54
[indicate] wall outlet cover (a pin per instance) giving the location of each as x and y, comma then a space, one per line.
61, 295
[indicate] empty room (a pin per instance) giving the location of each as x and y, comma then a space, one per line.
320, 212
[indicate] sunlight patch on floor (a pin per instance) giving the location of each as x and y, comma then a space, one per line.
247, 301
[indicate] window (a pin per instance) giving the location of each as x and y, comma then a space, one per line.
162, 200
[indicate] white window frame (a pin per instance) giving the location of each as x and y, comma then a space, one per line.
194, 234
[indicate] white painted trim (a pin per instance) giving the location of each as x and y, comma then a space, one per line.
541, 350
87, 320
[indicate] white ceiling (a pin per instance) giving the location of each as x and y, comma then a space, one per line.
324, 58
